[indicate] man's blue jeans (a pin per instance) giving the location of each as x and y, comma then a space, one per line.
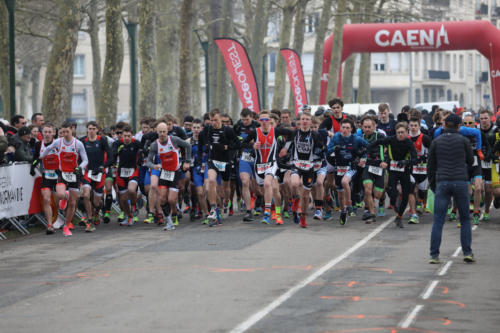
445, 190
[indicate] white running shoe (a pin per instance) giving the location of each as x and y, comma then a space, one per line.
58, 223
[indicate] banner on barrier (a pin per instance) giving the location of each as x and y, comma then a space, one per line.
241, 72
296, 77
19, 192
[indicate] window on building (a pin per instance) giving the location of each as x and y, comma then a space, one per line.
478, 63
432, 65
448, 95
418, 97
454, 64
461, 66
79, 66
417, 58
405, 58
426, 95
395, 62
447, 65
434, 94
455, 97
440, 61
79, 104
378, 62
272, 62
441, 94
469, 64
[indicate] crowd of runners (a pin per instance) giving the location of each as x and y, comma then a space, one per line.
268, 167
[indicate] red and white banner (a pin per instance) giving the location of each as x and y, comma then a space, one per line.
241, 71
19, 192
296, 77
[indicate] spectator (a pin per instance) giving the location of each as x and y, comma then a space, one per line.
188, 124
21, 142
34, 135
17, 122
38, 121
449, 177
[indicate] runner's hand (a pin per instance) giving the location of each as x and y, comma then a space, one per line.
480, 154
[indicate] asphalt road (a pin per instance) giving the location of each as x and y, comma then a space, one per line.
249, 276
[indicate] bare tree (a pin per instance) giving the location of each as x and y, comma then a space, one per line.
93, 31
318, 50
184, 99
350, 63
4, 57
147, 55
279, 76
298, 38
335, 62
58, 87
108, 99
222, 98
167, 46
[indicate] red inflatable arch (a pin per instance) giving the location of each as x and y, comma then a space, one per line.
413, 37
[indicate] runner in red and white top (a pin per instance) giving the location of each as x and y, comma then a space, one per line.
168, 147
70, 151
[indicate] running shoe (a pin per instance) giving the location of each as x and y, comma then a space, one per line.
219, 215
134, 210
58, 223
381, 211
303, 223
273, 215
50, 230
257, 211
286, 214
279, 220
89, 227
469, 258
413, 219
83, 221
150, 219
295, 205
231, 211
343, 217
434, 260
486, 217
205, 221
175, 220
350, 211
365, 216
186, 209
452, 217
121, 217
96, 219
248, 217
66, 231
475, 219
459, 225
63, 203
267, 218
419, 209
226, 209
70, 226
318, 215
159, 219
398, 221
296, 219
327, 215
213, 215
169, 226
136, 219
128, 221
371, 219
105, 217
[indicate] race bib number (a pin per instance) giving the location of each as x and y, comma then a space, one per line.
341, 170
303, 165
69, 177
475, 161
50, 174
126, 172
221, 166
420, 169
394, 167
167, 175
317, 165
262, 167
96, 178
362, 162
247, 157
375, 170
485, 165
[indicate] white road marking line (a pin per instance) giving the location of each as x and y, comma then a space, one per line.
457, 252
430, 289
411, 316
256, 317
474, 228
445, 268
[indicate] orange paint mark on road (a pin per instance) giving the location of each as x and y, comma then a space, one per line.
462, 305
388, 271
224, 270
382, 329
445, 289
445, 321
358, 298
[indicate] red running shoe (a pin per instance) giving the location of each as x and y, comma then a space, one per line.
303, 223
63, 203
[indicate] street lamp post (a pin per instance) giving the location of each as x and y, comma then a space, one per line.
11, 4
132, 33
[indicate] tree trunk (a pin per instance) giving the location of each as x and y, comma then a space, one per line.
96, 52
257, 20
108, 99
347, 79
35, 87
58, 86
364, 79
279, 76
222, 95
23, 90
195, 66
213, 31
318, 51
167, 46
147, 55
184, 99
4, 58
335, 63
298, 39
